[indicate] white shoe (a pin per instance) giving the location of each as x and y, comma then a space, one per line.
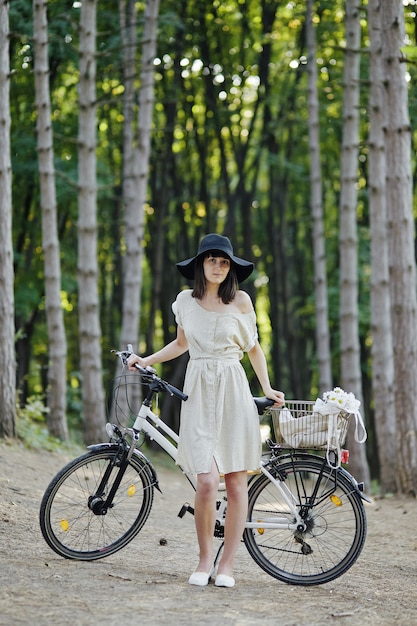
201, 579
224, 581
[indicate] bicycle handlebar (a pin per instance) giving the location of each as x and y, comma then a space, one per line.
150, 374
162, 384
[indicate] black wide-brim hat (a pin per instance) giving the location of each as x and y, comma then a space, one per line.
216, 243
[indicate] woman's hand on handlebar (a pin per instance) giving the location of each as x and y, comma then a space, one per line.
277, 396
134, 360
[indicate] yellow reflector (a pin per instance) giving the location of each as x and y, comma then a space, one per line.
336, 500
260, 530
131, 491
64, 525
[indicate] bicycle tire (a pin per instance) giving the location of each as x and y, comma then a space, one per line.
336, 524
68, 524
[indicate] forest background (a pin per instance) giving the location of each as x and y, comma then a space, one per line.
129, 130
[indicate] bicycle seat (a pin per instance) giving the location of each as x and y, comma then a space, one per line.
262, 404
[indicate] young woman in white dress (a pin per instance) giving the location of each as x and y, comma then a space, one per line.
219, 425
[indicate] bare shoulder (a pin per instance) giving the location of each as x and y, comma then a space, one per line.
243, 301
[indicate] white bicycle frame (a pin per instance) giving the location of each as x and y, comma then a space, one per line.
151, 424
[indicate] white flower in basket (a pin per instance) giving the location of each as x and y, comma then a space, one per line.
336, 401
324, 425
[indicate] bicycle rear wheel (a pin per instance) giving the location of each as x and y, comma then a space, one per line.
67, 520
332, 511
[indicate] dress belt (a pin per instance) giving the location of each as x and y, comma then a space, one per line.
211, 358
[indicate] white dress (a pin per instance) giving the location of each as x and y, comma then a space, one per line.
219, 420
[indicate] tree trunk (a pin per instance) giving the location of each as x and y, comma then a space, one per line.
130, 331
320, 278
56, 417
89, 320
128, 27
401, 243
382, 345
137, 179
7, 327
350, 363
135, 175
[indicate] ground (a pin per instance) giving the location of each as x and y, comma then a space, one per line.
146, 582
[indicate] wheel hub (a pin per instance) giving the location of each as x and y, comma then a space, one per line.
97, 505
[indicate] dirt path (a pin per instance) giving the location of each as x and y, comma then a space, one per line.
147, 582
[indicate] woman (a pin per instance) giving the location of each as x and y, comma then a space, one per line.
219, 427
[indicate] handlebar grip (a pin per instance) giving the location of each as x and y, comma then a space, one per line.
176, 392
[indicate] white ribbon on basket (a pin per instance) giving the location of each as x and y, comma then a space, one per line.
335, 402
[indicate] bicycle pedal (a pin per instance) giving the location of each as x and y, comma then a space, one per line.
186, 508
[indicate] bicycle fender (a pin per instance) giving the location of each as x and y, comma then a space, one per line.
113, 447
95, 447
297, 454
359, 487
150, 467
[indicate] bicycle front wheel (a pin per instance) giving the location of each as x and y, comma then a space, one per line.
333, 515
76, 530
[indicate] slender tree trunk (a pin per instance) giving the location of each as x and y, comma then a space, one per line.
350, 362
128, 26
382, 344
320, 277
136, 151
135, 193
56, 418
89, 320
401, 243
130, 332
7, 327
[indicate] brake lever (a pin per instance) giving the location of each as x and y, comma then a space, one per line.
123, 355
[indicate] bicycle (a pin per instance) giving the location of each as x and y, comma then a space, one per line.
306, 521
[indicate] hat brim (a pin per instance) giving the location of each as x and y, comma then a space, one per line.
243, 269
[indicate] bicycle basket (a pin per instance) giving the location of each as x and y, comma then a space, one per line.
297, 426
127, 393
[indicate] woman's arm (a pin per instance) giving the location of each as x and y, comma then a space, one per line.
167, 353
258, 362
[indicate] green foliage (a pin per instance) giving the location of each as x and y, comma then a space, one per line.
31, 425
32, 430
229, 154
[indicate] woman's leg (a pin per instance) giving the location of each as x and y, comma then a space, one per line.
237, 511
205, 516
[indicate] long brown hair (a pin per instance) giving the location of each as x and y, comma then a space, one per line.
227, 289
